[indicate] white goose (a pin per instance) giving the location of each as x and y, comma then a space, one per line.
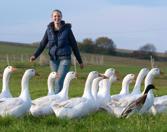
5, 93
18, 106
109, 72
137, 88
116, 108
104, 95
42, 105
125, 87
95, 85
79, 106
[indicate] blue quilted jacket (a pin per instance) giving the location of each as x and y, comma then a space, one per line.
60, 43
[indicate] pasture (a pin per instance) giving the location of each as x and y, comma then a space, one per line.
100, 121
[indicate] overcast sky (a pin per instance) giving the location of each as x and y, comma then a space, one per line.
129, 24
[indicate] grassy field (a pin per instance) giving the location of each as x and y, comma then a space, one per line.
100, 121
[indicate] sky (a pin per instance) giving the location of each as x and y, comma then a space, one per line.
130, 24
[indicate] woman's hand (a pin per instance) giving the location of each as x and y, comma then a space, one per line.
32, 58
81, 65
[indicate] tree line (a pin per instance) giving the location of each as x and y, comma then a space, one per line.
105, 45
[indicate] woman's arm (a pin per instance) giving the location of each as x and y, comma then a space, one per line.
75, 49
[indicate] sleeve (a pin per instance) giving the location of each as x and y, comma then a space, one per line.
42, 45
74, 47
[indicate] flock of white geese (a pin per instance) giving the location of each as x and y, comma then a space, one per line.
96, 96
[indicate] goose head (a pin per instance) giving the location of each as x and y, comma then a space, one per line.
51, 80
29, 73
52, 76
128, 78
113, 78
150, 76
7, 72
71, 75
144, 71
155, 71
92, 75
109, 72
9, 69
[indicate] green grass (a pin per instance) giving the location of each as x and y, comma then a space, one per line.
99, 121
15, 49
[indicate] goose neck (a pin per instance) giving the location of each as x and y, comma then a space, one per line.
95, 86
137, 86
64, 92
148, 80
106, 84
5, 82
125, 88
87, 90
25, 95
51, 86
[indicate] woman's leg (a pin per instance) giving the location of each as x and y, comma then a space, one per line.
54, 65
63, 69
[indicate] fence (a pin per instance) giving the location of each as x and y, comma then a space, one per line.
9, 59
44, 59
88, 59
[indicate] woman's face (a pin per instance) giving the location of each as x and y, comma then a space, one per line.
56, 17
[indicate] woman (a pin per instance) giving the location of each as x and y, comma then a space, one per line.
60, 40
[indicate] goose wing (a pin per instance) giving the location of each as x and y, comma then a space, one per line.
45, 99
69, 103
135, 105
10, 104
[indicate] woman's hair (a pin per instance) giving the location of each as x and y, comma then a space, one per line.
56, 10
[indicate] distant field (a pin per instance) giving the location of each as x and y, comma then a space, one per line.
15, 49
100, 121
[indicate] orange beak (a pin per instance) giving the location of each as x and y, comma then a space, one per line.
102, 75
14, 69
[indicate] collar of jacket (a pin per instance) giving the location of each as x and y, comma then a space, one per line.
64, 25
